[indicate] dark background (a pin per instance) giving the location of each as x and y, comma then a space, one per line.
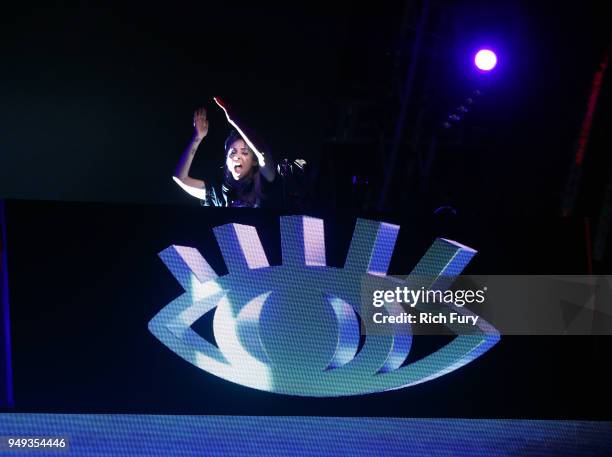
97, 103
85, 280
97, 97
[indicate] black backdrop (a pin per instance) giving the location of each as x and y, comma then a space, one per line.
97, 98
85, 280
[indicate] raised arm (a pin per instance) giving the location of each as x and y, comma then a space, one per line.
266, 164
181, 176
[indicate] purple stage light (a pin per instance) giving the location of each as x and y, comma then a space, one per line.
485, 60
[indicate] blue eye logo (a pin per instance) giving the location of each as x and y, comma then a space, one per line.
294, 328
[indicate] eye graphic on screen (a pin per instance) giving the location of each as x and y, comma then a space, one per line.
294, 328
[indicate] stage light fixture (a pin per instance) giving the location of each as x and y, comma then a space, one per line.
485, 60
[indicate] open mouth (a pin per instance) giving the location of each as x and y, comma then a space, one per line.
238, 168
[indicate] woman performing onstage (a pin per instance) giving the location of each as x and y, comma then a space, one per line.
248, 173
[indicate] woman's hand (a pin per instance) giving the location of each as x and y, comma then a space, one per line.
200, 123
223, 105
226, 109
181, 174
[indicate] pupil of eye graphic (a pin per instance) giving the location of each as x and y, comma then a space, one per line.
298, 339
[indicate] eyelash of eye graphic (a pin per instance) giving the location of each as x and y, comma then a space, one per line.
293, 328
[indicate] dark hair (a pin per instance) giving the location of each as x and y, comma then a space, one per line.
247, 191
233, 136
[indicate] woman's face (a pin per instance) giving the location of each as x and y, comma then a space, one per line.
240, 160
